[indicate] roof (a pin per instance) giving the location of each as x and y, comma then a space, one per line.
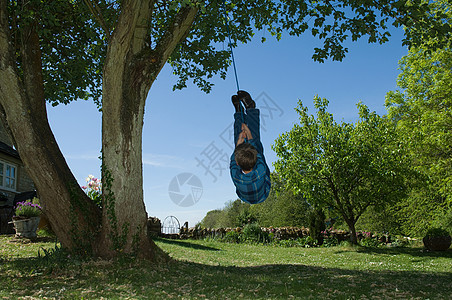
6, 149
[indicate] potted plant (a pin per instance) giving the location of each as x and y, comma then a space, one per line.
437, 239
27, 217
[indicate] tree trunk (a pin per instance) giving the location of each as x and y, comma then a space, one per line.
351, 227
130, 69
72, 215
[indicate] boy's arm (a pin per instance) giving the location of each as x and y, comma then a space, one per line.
241, 138
247, 131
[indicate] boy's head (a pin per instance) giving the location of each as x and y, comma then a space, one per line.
245, 156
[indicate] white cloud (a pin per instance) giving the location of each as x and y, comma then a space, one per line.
163, 160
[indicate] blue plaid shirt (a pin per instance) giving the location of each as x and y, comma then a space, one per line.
253, 187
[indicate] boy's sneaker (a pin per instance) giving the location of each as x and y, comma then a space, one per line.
245, 97
236, 103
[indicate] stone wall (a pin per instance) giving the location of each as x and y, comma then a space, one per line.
278, 233
24, 182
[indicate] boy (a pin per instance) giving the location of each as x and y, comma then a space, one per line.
249, 171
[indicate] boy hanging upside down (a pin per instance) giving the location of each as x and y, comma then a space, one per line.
249, 171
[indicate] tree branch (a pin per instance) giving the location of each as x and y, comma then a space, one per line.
97, 13
177, 32
30, 50
336, 196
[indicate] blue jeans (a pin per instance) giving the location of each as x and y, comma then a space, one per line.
250, 118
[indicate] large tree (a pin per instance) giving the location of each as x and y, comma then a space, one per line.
344, 167
422, 110
112, 51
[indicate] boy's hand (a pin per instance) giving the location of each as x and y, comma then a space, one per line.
241, 138
245, 134
247, 131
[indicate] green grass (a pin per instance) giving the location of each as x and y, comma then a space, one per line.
214, 270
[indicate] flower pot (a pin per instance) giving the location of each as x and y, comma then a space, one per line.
26, 228
437, 243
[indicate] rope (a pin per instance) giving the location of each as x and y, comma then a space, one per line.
233, 60
230, 45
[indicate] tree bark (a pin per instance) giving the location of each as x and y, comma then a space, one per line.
23, 105
351, 227
130, 69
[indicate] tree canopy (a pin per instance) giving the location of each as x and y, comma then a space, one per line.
74, 34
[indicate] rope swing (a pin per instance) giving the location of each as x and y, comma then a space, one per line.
230, 44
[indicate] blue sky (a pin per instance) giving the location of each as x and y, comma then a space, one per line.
188, 131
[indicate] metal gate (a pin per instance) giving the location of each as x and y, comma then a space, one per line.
170, 225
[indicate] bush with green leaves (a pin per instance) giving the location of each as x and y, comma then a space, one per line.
437, 232
371, 242
330, 241
399, 242
252, 233
231, 237
304, 242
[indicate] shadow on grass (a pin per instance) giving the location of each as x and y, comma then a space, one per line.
32, 277
186, 244
415, 252
184, 279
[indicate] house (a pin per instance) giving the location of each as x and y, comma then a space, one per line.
15, 183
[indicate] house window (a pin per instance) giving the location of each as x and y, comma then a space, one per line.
8, 176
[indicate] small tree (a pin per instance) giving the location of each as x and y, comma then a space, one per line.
344, 167
211, 219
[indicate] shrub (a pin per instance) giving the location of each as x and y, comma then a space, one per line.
437, 239
231, 237
307, 242
252, 233
400, 242
435, 232
304, 242
286, 243
330, 241
371, 242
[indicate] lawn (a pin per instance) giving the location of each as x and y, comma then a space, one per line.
214, 270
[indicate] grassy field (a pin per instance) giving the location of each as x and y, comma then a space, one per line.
214, 270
